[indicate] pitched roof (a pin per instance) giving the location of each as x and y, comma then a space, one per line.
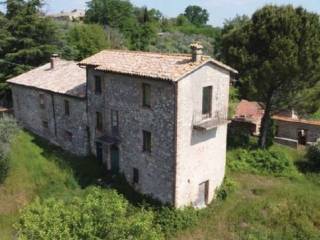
303, 121
251, 111
154, 65
65, 78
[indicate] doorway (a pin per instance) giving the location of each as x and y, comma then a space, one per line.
99, 152
203, 194
302, 137
114, 155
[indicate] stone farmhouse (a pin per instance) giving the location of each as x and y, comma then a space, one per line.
294, 131
160, 119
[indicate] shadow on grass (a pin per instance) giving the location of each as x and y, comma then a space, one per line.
88, 171
305, 167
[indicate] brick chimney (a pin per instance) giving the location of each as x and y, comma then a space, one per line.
196, 49
53, 60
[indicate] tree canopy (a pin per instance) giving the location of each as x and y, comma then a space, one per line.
277, 54
85, 40
197, 15
27, 38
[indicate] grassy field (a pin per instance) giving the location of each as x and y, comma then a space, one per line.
260, 207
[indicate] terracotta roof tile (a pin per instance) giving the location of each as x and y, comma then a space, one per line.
249, 110
66, 78
304, 121
155, 65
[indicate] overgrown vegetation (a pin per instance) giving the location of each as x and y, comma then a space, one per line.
98, 214
269, 162
8, 129
313, 156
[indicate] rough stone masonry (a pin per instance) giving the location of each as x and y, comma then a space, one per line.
160, 119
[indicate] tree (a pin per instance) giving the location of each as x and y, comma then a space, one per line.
112, 13
138, 25
99, 214
85, 40
29, 38
277, 54
197, 15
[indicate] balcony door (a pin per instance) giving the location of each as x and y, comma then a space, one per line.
115, 157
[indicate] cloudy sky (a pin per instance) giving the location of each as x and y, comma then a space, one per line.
219, 9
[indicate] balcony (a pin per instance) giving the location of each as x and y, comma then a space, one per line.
109, 137
209, 122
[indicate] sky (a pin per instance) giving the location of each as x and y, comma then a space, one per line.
219, 9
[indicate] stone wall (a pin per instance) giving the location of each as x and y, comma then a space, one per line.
290, 130
201, 155
32, 116
124, 94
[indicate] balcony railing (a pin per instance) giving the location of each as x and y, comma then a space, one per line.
207, 122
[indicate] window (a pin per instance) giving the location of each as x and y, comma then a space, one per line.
66, 108
115, 121
147, 141
42, 101
146, 95
135, 175
99, 125
97, 85
45, 124
68, 136
207, 101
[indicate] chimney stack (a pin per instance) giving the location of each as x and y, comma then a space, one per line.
196, 49
53, 60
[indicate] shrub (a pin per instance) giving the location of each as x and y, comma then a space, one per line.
175, 220
100, 214
313, 155
238, 137
227, 187
8, 128
4, 167
261, 161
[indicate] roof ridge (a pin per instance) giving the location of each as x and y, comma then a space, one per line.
149, 53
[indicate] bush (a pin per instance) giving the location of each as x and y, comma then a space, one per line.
227, 187
175, 220
99, 214
4, 167
313, 155
8, 128
238, 137
261, 161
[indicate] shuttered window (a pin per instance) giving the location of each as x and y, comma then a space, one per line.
147, 141
207, 101
135, 175
97, 85
42, 101
99, 124
146, 92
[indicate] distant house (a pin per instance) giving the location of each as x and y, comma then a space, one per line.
294, 131
248, 115
159, 119
74, 15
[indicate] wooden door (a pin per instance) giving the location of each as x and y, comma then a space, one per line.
115, 155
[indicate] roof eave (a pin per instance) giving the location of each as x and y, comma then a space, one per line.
225, 67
